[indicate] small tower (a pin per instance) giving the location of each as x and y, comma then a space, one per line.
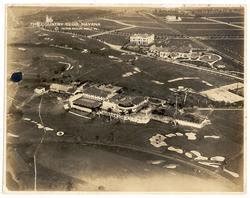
48, 19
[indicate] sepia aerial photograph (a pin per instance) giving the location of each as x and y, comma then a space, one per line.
124, 98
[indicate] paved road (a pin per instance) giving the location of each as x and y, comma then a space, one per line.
119, 22
209, 70
39, 145
107, 32
219, 109
129, 26
222, 22
226, 17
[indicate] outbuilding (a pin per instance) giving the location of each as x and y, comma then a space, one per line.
39, 90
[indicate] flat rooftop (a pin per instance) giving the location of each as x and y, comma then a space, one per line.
109, 87
96, 92
85, 102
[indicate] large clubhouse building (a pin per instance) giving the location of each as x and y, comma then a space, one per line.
142, 39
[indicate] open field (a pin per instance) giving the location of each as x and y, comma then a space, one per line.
209, 32
234, 48
115, 39
152, 30
144, 22
180, 43
239, 19
107, 25
209, 25
207, 29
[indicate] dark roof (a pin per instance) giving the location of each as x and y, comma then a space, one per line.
72, 90
127, 101
137, 100
96, 92
109, 87
198, 50
87, 103
156, 100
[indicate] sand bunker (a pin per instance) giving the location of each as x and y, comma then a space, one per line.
157, 82
170, 135
217, 158
191, 136
189, 155
177, 150
158, 140
136, 70
170, 166
207, 83
198, 155
13, 135
183, 78
231, 173
212, 164
155, 162
212, 136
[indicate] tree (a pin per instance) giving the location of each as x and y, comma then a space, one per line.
97, 138
70, 185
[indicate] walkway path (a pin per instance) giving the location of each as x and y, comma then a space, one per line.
39, 145
129, 26
222, 22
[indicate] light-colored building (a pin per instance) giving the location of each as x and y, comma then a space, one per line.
48, 19
171, 52
60, 88
39, 90
142, 39
172, 18
168, 54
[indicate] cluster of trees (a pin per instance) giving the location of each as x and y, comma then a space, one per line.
197, 100
162, 13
